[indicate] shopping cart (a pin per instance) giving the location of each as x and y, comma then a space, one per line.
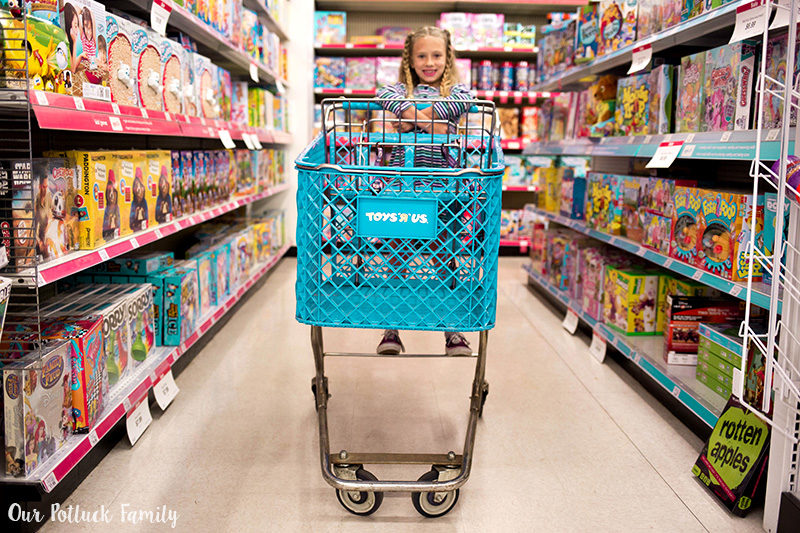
384, 242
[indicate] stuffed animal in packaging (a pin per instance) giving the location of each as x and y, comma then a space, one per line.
600, 115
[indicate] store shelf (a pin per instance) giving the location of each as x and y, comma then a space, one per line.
516, 7
520, 188
646, 353
733, 145
73, 113
81, 260
687, 33
393, 49
260, 7
522, 245
219, 49
345, 92
129, 392
513, 144
515, 97
761, 292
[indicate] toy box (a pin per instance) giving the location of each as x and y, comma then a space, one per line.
132, 197
614, 193
141, 321
594, 262
777, 48
460, 27
116, 337
47, 41
632, 114
724, 231
88, 363
147, 65
728, 86
386, 71
224, 93
549, 188
239, 103
721, 390
710, 362
690, 95
84, 22
393, 34
487, 29
222, 256
573, 195
557, 48
629, 301
598, 198
686, 224
330, 27
158, 169
617, 24
200, 182
137, 263
670, 285
770, 214
650, 18
586, 38
206, 78
684, 314
691, 9
98, 201
330, 72
252, 34
191, 104
121, 64
464, 68
509, 122
723, 341
37, 403
671, 12
630, 225
660, 108
207, 281
656, 232
179, 303
172, 56
360, 73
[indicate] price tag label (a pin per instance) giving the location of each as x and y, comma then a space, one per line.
248, 141
640, 58
689, 138
688, 150
676, 391
165, 390
256, 142
116, 123
726, 136
167, 116
158, 233
631, 139
668, 262
103, 254
227, 141
203, 121
570, 322
49, 482
782, 14
637, 358
144, 113
93, 438
138, 420
647, 139
126, 404
134, 242
254, 72
598, 347
641, 251
279, 86
159, 15
736, 290
738, 383
79, 103
697, 275
41, 98
773, 134
666, 154
751, 20
115, 108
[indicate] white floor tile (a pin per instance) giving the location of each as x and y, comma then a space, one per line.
566, 444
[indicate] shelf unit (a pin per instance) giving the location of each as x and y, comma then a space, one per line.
81, 260
259, 6
526, 7
393, 49
130, 392
221, 50
760, 295
645, 352
695, 31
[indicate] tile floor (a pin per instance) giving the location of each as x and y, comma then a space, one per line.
566, 444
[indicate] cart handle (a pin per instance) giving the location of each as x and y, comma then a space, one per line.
372, 106
447, 172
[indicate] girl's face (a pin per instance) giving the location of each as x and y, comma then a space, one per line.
428, 59
87, 27
75, 28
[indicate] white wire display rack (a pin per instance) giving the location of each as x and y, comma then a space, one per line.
781, 342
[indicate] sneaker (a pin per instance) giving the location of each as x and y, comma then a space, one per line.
390, 343
455, 344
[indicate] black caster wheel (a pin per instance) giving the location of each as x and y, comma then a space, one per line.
484, 394
433, 504
359, 502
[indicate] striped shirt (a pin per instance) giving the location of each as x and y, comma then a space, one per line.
393, 98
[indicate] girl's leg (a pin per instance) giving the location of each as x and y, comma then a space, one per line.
390, 343
456, 344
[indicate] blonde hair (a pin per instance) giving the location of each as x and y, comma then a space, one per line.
408, 76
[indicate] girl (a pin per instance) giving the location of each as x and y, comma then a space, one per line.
428, 70
72, 27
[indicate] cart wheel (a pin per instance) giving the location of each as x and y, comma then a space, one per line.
484, 394
433, 504
361, 503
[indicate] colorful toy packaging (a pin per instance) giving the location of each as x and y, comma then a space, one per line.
137, 263
132, 198
728, 86
121, 64
386, 71
725, 233
777, 46
630, 223
330, 72
172, 55
239, 103
573, 194
84, 22
671, 12
330, 27
47, 41
686, 223
690, 96
630, 298
460, 27
650, 17
633, 105
360, 73
557, 47
116, 338
586, 34
206, 77
684, 314
148, 65
141, 321
617, 24
37, 404
662, 87
770, 214
669, 285
691, 8
487, 29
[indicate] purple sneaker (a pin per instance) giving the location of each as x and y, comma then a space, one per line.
390, 343
456, 345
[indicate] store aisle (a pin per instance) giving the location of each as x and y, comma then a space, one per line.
566, 444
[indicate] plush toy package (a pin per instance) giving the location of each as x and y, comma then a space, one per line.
172, 56
630, 301
690, 96
728, 86
617, 24
37, 402
148, 66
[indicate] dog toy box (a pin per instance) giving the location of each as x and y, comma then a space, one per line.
629, 302
681, 335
